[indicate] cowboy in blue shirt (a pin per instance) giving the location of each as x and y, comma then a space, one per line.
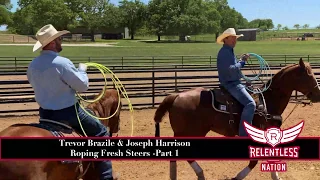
55, 81
229, 69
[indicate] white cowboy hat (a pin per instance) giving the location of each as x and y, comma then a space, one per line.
227, 33
47, 34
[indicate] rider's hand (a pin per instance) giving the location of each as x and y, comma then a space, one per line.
82, 67
245, 57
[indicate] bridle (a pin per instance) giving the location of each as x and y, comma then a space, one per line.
297, 102
300, 101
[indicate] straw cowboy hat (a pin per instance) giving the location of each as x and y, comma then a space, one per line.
227, 33
47, 34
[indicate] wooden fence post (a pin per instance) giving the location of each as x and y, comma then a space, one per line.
182, 61
175, 80
122, 61
153, 93
15, 64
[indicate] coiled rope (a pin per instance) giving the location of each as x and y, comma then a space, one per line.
118, 86
264, 70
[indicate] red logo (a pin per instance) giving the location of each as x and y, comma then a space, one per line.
274, 136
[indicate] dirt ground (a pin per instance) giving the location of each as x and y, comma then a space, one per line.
155, 170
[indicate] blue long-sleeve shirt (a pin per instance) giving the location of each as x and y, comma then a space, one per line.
228, 66
55, 80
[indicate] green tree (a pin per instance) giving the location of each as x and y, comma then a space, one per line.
285, 28
264, 24
23, 21
297, 26
159, 13
34, 14
6, 4
241, 21
133, 15
213, 17
76, 8
55, 12
5, 14
279, 26
189, 18
306, 26
92, 15
111, 16
229, 16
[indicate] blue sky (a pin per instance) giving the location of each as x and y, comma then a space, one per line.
284, 12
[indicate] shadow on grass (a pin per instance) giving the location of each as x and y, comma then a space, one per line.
174, 41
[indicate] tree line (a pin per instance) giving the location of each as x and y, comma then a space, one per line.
158, 17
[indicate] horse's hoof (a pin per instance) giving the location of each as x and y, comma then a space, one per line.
116, 176
234, 179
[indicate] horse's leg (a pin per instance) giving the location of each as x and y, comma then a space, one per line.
197, 169
242, 174
195, 166
275, 176
173, 170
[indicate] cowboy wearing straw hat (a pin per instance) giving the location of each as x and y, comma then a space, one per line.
55, 81
229, 75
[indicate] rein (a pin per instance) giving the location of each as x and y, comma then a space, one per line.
296, 105
80, 167
301, 102
297, 102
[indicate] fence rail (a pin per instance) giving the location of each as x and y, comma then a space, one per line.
146, 87
20, 64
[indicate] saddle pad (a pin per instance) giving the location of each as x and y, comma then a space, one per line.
56, 129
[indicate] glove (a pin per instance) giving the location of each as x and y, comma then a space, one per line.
82, 67
245, 57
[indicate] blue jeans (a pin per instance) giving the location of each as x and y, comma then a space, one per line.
91, 126
239, 92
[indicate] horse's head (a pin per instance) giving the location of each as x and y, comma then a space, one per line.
299, 77
114, 122
107, 106
304, 81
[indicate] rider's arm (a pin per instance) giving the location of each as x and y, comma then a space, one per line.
77, 79
242, 63
228, 61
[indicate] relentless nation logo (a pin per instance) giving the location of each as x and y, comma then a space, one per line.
274, 136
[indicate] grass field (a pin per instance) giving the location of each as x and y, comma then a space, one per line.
138, 48
147, 48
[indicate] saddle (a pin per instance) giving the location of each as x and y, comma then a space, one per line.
222, 101
59, 129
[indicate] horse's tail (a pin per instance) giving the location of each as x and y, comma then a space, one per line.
162, 110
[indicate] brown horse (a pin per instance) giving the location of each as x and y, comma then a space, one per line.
197, 111
62, 170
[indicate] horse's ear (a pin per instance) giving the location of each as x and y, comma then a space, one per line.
301, 63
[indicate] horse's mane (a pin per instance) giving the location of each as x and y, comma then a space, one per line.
104, 105
282, 72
